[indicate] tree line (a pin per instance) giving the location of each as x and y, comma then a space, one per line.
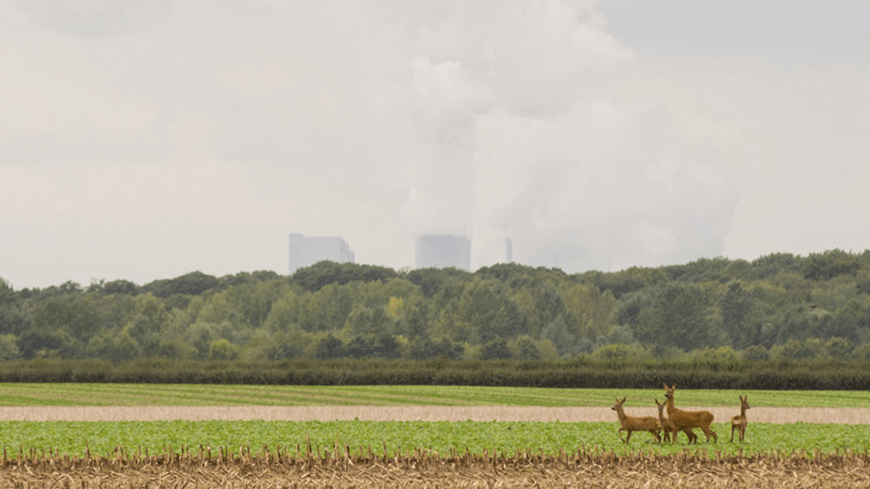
777, 306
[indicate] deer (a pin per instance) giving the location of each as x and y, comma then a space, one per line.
668, 427
684, 420
635, 423
739, 421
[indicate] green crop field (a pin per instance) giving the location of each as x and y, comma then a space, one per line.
241, 395
394, 436
440, 437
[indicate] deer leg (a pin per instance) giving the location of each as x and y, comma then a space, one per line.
732, 433
691, 435
709, 433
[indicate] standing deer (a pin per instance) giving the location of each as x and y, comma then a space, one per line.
635, 423
739, 422
684, 420
668, 427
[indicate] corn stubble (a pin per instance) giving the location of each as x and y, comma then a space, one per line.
345, 467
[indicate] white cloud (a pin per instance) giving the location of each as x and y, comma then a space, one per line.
191, 135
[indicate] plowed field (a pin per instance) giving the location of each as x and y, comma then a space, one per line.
421, 470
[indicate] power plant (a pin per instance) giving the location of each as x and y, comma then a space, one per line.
306, 251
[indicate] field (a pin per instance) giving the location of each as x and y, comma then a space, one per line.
331, 452
397, 395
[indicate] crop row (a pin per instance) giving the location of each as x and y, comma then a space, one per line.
78, 438
72, 394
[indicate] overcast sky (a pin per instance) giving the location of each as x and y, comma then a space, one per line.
145, 140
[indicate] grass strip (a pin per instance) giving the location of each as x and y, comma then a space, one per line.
63, 394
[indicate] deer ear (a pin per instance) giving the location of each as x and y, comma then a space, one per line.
666, 386
622, 401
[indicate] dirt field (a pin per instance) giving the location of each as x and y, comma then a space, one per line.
407, 413
421, 470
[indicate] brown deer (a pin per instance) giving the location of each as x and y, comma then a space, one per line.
684, 420
668, 427
635, 423
739, 422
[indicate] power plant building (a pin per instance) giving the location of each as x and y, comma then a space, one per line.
441, 250
306, 251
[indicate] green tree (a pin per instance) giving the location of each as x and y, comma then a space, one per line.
38, 343
557, 332
414, 322
838, 347
200, 335
222, 349
329, 347
286, 345
8, 349
327, 309
540, 303
386, 346
526, 348
627, 281
793, 349
486, 312
285, 311
496, 349
736, 310
193, 283
323, 273
831, 263
755, 353
619, 351
368, 321
361, 346
589, 307
13, 316
681, 315
147, 323
426, 348
73, 313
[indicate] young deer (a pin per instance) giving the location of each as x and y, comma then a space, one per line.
739, 422
635, 423
668, 427
684, 420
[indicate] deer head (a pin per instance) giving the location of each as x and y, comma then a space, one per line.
618, 405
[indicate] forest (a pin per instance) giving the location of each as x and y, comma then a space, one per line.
777, 306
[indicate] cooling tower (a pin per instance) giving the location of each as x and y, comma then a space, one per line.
440, 251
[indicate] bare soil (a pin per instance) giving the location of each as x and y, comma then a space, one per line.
424, 470
409, 413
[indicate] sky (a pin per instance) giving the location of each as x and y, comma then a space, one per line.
146, 140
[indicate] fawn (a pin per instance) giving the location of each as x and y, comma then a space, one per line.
635, 423
668, 427
739, 422
689, 419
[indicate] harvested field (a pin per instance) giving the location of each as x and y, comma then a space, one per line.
420, 469
408, 413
